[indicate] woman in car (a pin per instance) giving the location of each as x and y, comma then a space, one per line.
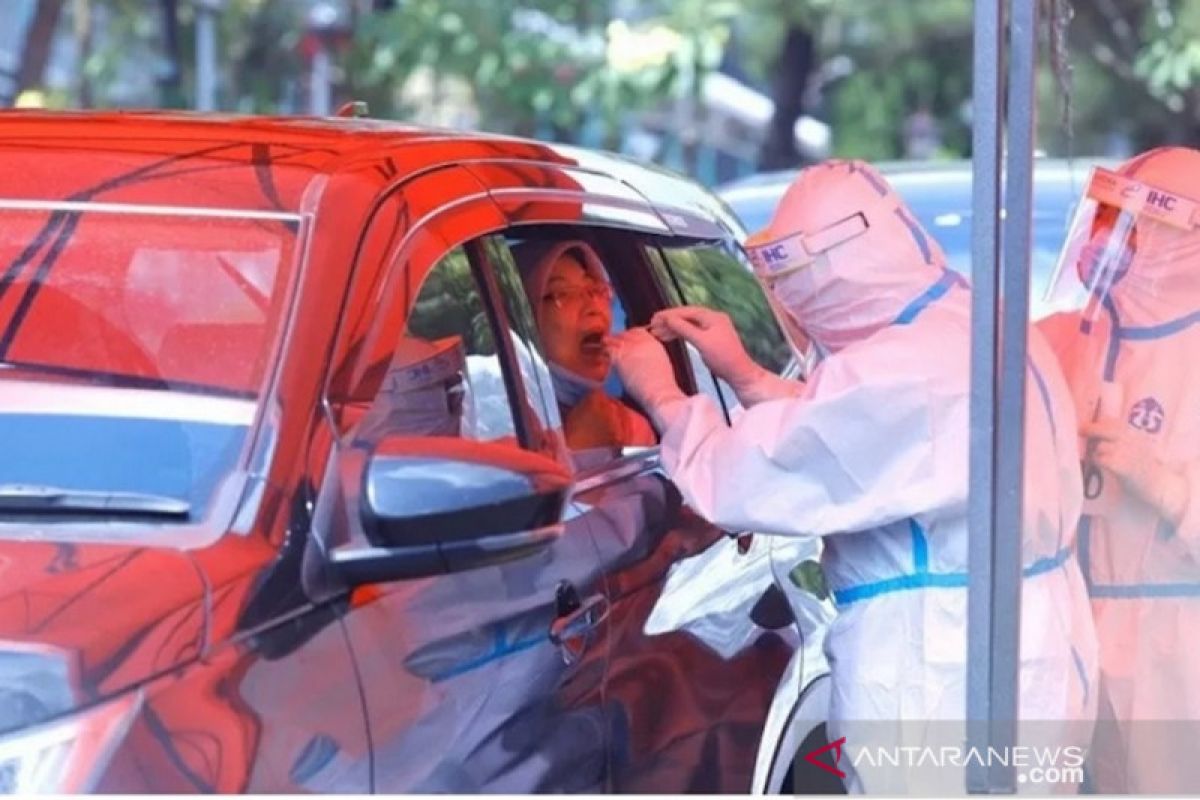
571, 297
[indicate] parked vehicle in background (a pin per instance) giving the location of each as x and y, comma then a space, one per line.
214, 579
939, 194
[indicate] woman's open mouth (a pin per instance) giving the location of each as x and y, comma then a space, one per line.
592, 344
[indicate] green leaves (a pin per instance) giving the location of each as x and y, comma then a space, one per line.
532, 63
547, 67
1169, 66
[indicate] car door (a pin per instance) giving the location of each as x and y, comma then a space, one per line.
689, 682
700, 614
472, 680
715, 274
691, 673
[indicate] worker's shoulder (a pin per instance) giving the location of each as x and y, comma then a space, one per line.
899, 358
937, 336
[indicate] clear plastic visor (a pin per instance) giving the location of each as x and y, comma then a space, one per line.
1115, 217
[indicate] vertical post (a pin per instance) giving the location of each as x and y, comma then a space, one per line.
325, 26
1014, 371
83, 43
319, 103
171, 80
986, 136
206, 56
998, 375
36, 43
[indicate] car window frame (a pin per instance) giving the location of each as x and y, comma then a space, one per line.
528, 428
458, 222
665, 274
465, 222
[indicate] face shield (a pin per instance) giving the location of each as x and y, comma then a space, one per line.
1119, 220
776, 263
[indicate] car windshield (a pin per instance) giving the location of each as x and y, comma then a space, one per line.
135, 343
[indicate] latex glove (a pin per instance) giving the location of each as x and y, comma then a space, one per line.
714, 337
1138, 468
645, 370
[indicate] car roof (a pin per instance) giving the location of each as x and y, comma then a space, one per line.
266, 163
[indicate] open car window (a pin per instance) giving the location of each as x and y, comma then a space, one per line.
715, 275
566, 282
444, 375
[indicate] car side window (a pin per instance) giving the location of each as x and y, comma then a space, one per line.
715, 275
444, 377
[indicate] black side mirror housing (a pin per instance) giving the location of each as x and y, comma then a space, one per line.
435, 505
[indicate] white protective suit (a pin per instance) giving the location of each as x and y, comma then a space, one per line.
1128, 355
871, 454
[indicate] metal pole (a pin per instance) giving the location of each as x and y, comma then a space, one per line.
985, 255
1014, 369
206, 58
998, 395
318, 87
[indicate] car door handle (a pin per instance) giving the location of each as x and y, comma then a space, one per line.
572, 631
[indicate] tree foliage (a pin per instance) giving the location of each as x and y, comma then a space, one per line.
563, 68
531, 65
1137, 71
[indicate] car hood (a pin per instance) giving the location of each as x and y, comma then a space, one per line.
80, 622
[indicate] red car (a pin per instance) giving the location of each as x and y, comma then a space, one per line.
228, 564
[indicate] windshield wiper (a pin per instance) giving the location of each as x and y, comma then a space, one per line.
32, 498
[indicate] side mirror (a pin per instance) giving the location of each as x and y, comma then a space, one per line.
435, 505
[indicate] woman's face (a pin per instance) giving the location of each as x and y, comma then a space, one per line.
575, 319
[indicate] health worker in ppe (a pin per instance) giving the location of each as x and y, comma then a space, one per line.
569, 291
871, 453
1129, 276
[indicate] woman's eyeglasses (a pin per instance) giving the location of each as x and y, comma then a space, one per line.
574, 296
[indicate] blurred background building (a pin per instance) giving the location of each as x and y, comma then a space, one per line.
713, 88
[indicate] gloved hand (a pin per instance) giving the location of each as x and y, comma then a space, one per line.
713, 335
1138, 468
646, 372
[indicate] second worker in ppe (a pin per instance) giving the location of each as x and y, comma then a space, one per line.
871, 453
1130, 275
